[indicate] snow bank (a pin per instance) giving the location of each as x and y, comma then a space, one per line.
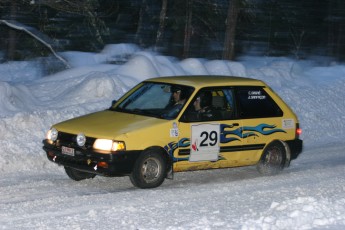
117, 53
24, 71
30, 103
315, 93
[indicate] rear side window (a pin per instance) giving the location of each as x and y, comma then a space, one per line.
254, 102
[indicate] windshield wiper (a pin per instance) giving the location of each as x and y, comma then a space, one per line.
137, 111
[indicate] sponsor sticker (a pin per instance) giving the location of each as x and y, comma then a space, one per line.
256, 95
288, 123
174, 132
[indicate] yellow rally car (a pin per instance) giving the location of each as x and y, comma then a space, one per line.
173, 124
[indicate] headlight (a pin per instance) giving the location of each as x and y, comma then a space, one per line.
52, 134
109, 145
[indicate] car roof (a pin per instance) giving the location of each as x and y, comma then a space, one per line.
208, 80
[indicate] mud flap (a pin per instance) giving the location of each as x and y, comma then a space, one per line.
170, 172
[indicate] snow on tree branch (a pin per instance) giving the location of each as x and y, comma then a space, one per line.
46, 41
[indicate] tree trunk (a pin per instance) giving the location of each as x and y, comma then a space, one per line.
161, 28
11, 49
330, 26
139, 35
230, 30
188, 29
340, 41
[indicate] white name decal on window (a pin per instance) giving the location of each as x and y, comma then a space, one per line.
255, 95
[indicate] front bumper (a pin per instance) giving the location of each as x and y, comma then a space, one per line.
106, 164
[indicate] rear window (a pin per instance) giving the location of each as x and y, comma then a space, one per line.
254, 102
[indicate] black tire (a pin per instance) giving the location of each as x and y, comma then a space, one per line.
149, 170
273, 159
78, 175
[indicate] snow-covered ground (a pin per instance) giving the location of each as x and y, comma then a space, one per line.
36, 194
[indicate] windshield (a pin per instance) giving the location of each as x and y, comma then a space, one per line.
157, 100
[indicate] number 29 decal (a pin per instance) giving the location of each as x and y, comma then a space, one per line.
204, 142
209, 139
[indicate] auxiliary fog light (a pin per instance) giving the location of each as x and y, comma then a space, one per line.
81, 139
109, 145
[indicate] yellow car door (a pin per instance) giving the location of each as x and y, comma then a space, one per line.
212, 139
199, 146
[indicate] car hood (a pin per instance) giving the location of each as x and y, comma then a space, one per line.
108, 124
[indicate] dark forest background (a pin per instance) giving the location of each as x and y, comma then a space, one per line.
213, 29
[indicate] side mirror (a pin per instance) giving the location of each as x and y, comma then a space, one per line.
112, 104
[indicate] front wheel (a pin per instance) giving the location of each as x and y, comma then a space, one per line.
78, 175
149, 170
273, 159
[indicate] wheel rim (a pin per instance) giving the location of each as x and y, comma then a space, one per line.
274, 156
151, 170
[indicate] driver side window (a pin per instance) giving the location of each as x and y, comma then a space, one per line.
210, 104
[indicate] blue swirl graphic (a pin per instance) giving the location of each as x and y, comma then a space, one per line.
226, 136
241, 132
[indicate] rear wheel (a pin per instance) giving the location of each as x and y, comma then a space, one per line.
149, 170
78, 175
273, 159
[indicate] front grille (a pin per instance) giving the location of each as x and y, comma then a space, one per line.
70, 140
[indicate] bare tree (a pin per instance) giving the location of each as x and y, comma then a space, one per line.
143, 9
230, 29
12, 36
161, 28
297, 36
336, 32
36, 35
85, 8
188, 28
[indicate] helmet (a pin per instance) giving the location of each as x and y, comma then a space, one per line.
206, 99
